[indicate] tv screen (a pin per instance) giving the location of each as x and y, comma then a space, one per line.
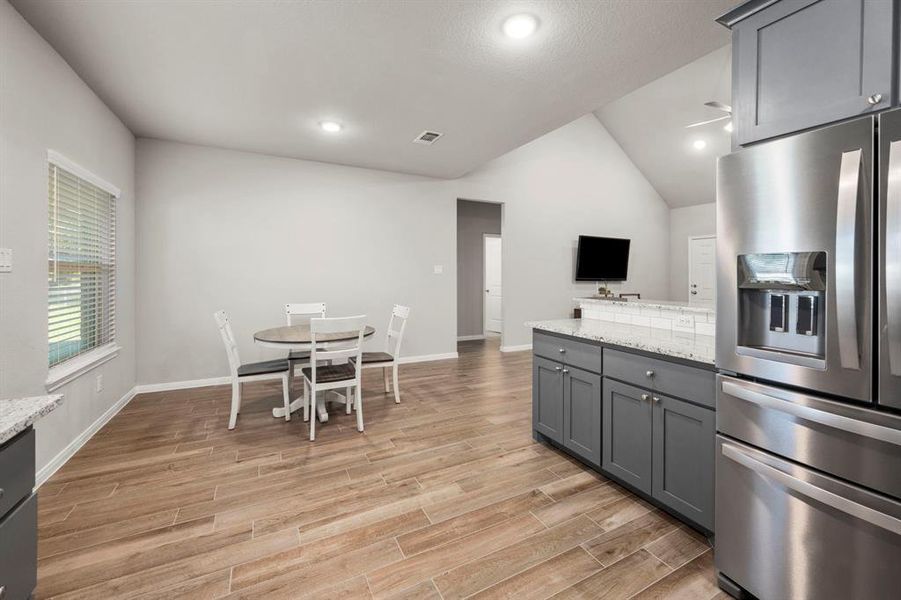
602, 259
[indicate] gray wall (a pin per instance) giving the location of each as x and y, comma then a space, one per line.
220, 229
248, 232
46, 106
574, 180
474, 219
684, 223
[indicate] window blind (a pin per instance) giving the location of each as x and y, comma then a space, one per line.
82, 266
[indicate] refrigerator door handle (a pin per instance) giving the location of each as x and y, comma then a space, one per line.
845, 244
870, 430
893, 257
804, 488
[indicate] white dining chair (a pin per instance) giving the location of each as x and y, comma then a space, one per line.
321, 377
243, 373
388, 358
296, 314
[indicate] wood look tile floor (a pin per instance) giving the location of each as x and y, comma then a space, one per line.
445, 496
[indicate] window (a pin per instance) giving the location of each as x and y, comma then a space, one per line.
82, 264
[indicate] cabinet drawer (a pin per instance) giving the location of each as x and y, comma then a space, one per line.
674, 379
19, 550
16, 470
582, 355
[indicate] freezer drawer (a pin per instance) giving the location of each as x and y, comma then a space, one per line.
790, 532
850, 442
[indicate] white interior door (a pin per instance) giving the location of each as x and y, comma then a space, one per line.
493, 292
702, 270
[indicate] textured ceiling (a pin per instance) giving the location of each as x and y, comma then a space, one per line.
649, 124
260, 75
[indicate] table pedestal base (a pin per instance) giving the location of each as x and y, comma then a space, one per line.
321, 410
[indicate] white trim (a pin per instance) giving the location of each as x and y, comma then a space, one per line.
469, 338
73, 167
405, 360
145, 388
73, 368
66, 453
519, 348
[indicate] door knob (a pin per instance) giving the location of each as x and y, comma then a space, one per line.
645, 397
649, 373
875, 99
558, 369
655, 399
694, 292
562, 350
565, 371
694, 285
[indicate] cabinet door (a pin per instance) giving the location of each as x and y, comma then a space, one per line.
547, 398
626, 427
805, 63
582, 413
684, 439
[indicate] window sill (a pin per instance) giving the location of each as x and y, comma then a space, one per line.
61, 374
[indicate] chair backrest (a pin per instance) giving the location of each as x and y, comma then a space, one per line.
228, 338
396, 326
344, 349
302, 313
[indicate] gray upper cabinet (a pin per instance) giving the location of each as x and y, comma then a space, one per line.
547, 398
627, 434
799, 64
683, 458
582, 413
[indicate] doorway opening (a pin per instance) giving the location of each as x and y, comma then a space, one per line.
480, 315
702, 270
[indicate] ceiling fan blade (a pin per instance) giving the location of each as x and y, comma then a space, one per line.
719, 106
699, 123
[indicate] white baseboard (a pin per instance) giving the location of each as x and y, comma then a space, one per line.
66, 453
145, 388
405, 360
519, 348
470, 338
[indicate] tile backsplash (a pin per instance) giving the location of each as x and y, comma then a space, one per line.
669, 316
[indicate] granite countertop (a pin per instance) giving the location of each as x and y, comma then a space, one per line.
689, 346
663, 304
18, 414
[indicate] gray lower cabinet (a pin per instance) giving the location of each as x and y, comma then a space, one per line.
547, 398
627, 434
799, 64
582, 413
18, 518
683, 458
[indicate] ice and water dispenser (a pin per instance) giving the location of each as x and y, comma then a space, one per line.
782, 307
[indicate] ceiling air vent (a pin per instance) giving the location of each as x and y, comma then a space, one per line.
427, 137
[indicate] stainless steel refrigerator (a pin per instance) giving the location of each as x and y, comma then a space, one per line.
808, 455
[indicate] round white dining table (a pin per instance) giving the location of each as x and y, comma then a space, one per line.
299, 338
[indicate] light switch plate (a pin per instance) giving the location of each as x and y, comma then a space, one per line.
6, 260
438, 269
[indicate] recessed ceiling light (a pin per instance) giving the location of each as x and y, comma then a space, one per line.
728, 127
699, 144
520, 26
330, 126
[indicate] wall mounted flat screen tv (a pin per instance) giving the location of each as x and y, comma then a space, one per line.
602, 259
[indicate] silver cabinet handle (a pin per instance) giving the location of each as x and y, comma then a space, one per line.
874, 99
565, 371
645, 397
893, 257
840, 503
870, 430
845, 243
649, 373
